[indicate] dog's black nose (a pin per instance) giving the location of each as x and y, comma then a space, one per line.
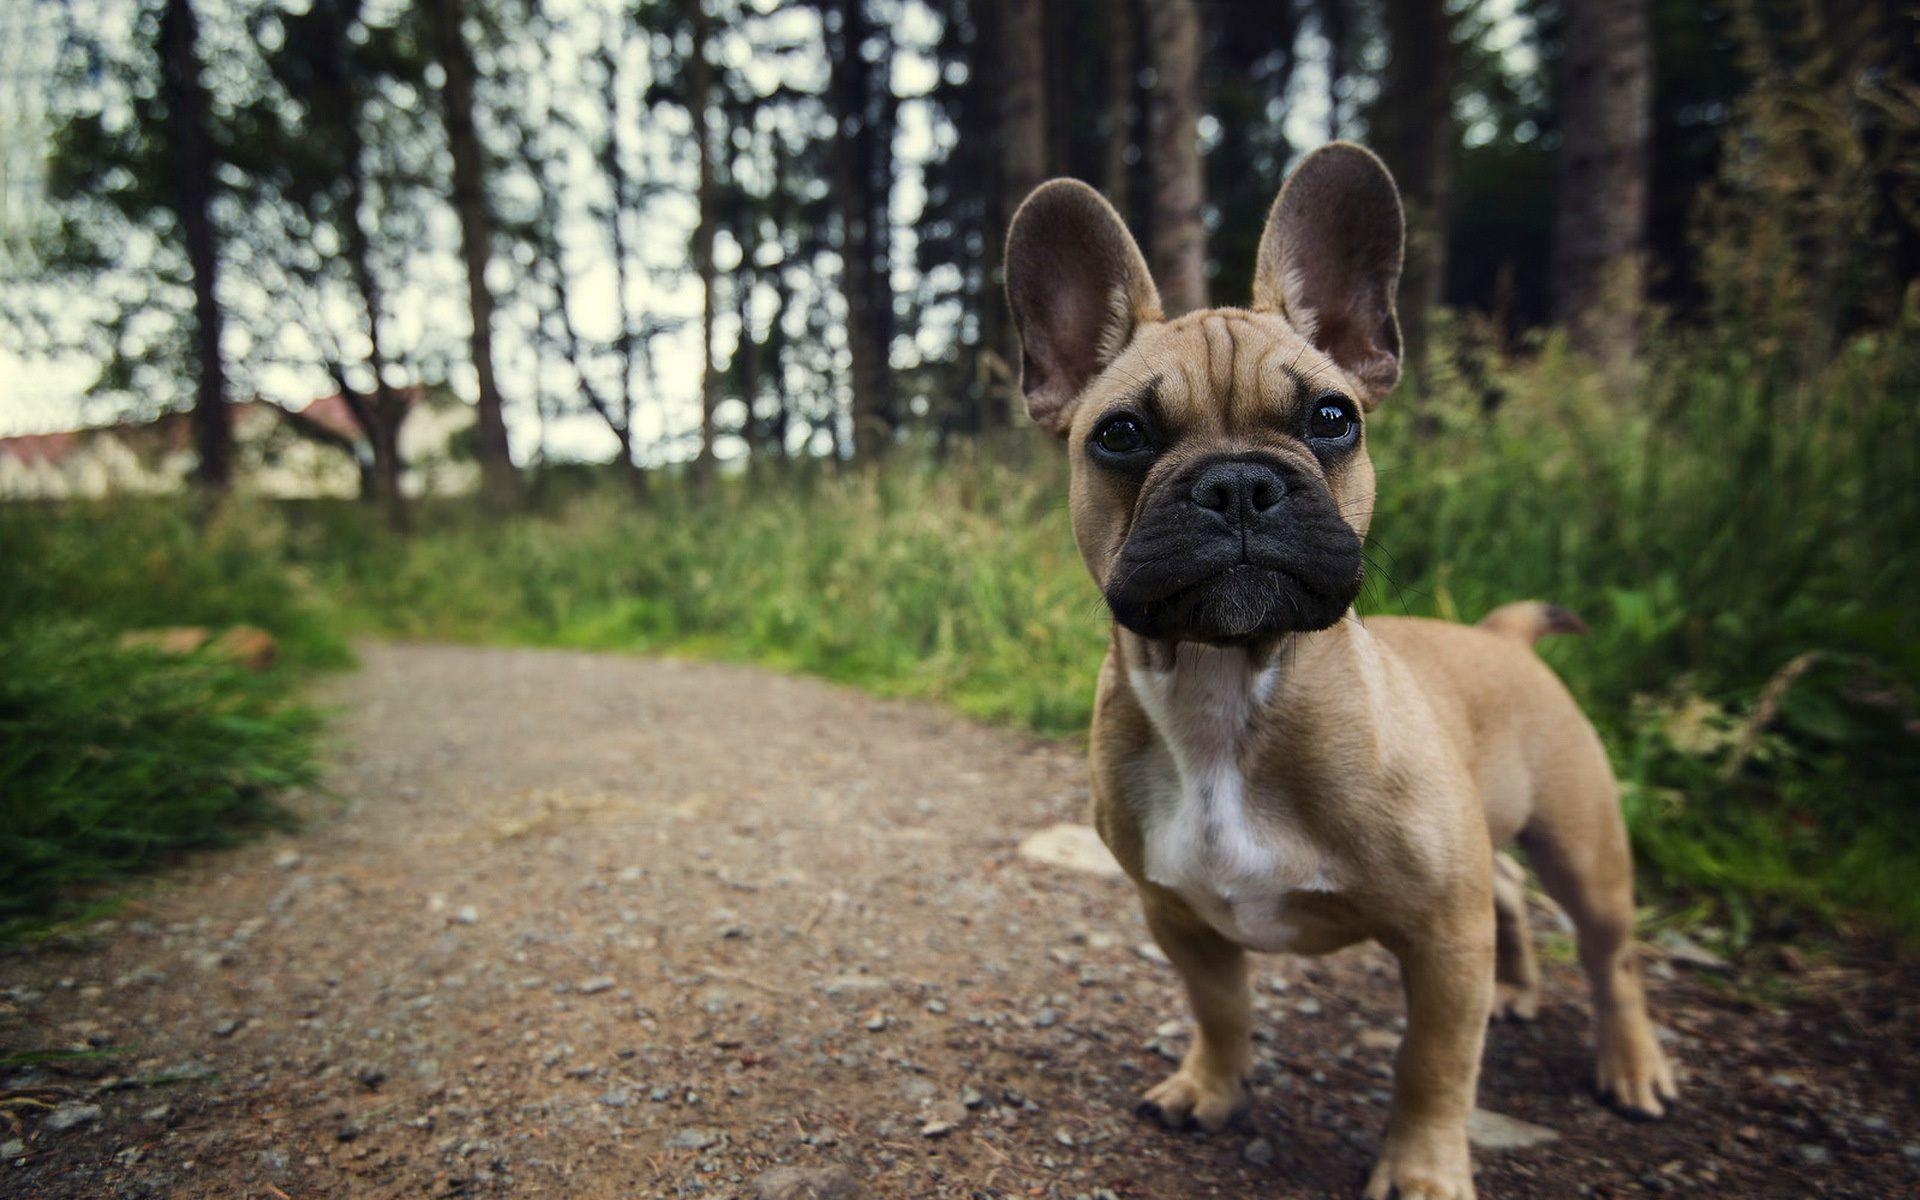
1238, 490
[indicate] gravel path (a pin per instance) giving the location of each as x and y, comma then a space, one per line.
587, 926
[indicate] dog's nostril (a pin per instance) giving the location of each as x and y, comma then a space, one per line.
1214, 493
1266, 492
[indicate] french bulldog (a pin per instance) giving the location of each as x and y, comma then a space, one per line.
1272, 772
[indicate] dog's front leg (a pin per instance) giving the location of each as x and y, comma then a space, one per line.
1448, 975
1209, 1089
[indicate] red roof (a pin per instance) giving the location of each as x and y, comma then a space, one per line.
40, 447
172, 429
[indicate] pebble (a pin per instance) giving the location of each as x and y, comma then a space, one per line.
1495, 1131
806, 1183
12, 1148
692, 1139
1259, 1152
1151, 953
287, 860
227, 1028
594, 986
617, 1098
71, 1116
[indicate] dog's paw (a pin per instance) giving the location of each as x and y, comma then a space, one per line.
1511, 1002
1187, 1099
1633, 1074
1423, 1168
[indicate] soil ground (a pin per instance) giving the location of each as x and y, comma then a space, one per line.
592, 926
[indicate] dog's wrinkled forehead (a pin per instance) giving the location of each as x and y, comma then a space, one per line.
1216, 375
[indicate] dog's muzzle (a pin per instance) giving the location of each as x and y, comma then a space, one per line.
1236, 549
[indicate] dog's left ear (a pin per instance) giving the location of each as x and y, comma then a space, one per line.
1330, 262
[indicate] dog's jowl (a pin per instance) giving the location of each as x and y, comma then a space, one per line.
1273, 773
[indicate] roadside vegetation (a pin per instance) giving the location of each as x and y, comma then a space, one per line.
1738, 536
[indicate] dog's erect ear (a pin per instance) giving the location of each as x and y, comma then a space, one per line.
1078, 288
1330, 262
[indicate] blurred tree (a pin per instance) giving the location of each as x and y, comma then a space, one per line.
500, 483
1412, 128
1246, 72
1178, 242
186, 109
863, 107
1600, 224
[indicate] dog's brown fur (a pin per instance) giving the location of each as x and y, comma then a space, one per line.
1368, 769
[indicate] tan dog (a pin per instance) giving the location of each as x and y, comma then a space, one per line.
1272, 773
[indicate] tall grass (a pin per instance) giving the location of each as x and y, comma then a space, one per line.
111, 759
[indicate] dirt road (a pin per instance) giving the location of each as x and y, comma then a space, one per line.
587, 926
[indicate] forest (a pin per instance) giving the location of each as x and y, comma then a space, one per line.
720, 283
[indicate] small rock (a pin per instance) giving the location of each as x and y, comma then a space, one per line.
12, 1148
1493, 1131
157, 1113
287, 860
1308, 1008
71, 1116
467, 915
1817, 1156
806, 1183
1681, 949
971, 1098
692, 1139
876, 1022
227, 1028
617, 1098
1259, 1152
594, 986
1151, 953
1073, 848
943, 1119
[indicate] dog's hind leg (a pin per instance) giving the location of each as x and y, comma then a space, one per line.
1209, 1089
1579, 849
1516, 977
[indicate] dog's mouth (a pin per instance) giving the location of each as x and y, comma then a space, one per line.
1245, 602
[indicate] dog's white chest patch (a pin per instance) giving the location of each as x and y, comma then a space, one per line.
1237, 868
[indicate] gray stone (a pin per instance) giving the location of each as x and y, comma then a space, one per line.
1494, 1131
1259, 1152
1073, 848
806, 1183
71, 1116
693, 1139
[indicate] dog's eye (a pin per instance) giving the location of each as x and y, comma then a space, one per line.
1120, 435
1332, 420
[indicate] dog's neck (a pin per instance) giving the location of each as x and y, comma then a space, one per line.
1205, 699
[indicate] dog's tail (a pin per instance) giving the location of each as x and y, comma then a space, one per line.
1531, 620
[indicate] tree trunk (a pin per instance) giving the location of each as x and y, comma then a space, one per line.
186, 102
616, 169
699, 100
1120, 78
1023, 100
1413, 131
1600, 222
499, 484
1178, 252
863, 170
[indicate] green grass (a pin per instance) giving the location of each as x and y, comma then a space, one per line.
1712, 523
115, 760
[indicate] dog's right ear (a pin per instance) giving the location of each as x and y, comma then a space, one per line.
1078, 288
